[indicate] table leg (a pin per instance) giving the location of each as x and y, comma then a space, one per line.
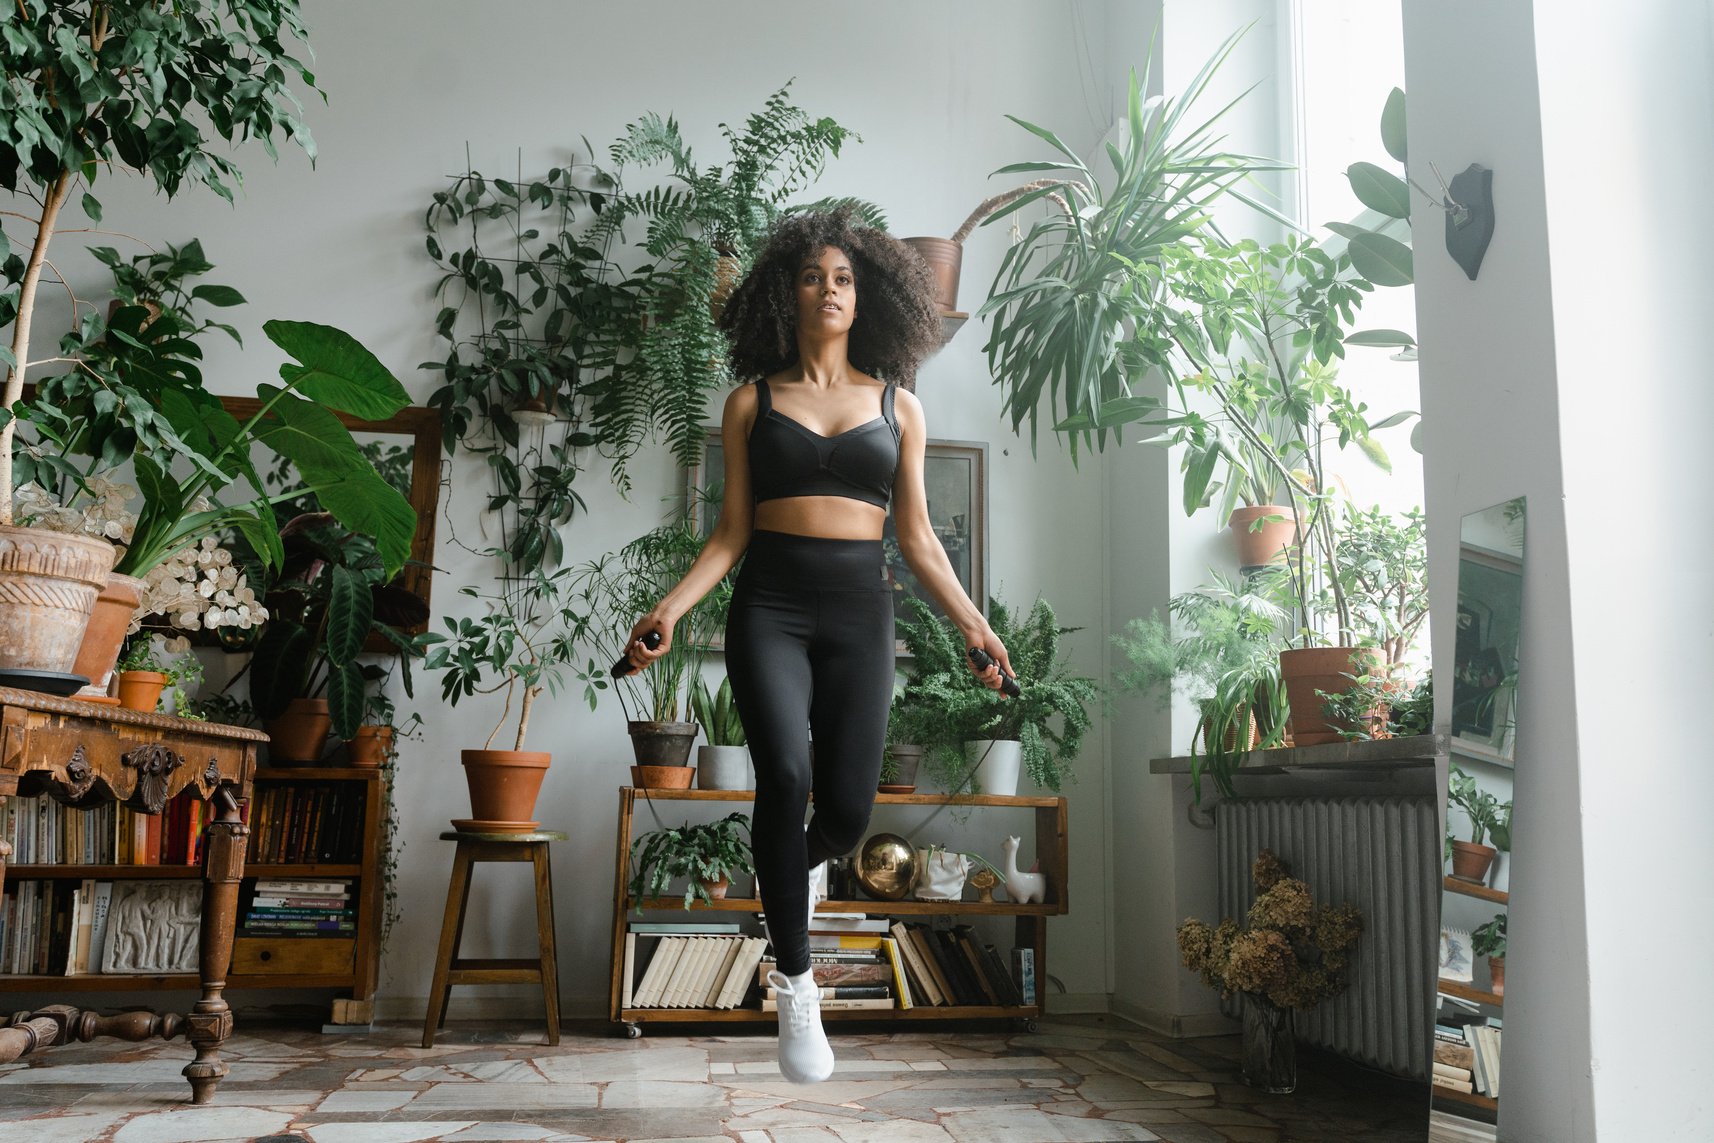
451, 929
210, 1022
545, 937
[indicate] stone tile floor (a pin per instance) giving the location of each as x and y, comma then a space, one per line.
1077, 1079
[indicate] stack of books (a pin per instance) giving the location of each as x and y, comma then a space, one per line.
54, 926
687, 965
296, 824
1467, 1058
955, 967
301, 908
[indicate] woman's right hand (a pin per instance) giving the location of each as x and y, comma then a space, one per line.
639, 655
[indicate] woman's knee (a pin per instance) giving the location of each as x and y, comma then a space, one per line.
841, 827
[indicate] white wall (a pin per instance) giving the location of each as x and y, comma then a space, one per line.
1491, 404
409, 86
1630, 313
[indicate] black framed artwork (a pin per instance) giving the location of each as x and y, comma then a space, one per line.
955, 483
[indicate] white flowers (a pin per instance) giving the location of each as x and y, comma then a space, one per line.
200, 587
103, 515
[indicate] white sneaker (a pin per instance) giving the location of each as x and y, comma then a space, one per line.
805, 1055
817, 891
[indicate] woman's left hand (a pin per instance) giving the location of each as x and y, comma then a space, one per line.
989, 642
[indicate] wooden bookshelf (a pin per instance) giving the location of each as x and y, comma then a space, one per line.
1467, 1098
1466, 992
1472, 889
345, 963
1051, 838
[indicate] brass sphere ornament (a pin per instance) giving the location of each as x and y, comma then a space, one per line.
886, 867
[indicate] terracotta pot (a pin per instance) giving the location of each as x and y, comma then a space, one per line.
300, 733
141, 690
504, 783
1470, 861
944, 257
661, 743
1309, 669
662, 777
48, 585
1269, 542
717, 889
1497, 974
369, 747
105, 634
104, 700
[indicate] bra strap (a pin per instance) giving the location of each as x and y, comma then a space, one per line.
764, 399
887, 409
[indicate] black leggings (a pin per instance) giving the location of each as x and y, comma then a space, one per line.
809, 643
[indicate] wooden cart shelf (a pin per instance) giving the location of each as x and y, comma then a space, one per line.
1472, 889
1031, 925
1466, 992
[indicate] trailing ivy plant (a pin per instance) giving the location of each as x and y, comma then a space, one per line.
1048, 718
98, 84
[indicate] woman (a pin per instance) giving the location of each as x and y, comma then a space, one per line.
814, 449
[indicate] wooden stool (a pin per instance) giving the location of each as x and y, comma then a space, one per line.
451, 969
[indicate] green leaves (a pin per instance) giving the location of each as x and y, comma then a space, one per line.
1382, 260
335, 370
1393, 125
1379, 190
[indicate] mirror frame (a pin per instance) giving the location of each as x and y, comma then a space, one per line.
422, 425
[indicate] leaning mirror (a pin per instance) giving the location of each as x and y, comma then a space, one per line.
1478, 817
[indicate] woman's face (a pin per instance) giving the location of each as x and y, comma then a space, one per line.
826, 293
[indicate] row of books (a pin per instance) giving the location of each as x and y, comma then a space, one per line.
300, 823
688, 971
279, 907
45, 832
70, 928
1467, 1059
956, 967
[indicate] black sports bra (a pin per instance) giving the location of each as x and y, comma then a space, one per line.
789, 459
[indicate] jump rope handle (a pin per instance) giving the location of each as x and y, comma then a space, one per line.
981, 660
623, 666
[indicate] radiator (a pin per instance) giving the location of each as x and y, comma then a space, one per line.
1381, 854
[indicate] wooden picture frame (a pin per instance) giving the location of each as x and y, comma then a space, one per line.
955, 480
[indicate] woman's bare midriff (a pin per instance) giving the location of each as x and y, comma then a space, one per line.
829, 517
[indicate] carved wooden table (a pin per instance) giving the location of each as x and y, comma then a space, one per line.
85, 754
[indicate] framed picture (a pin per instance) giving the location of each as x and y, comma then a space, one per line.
1455, 956
955, 483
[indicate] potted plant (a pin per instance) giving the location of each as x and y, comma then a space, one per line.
612, 591
706, 855
85, 100
1489, 940
1226, 660
524, 644
332, 593
723, 763
910, 723
375, 742
1470, 859
981, 735
149, 667
1290, 954
945, 256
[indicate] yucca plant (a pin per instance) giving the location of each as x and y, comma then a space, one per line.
719, 714
1066, 299
1048, 718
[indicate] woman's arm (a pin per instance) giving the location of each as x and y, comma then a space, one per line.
922, 549
724, 546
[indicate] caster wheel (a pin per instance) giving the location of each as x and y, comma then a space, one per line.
1029, 1025
633, 1031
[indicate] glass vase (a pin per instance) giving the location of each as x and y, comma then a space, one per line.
1270, 1046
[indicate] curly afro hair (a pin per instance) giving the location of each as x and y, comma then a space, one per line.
897, 323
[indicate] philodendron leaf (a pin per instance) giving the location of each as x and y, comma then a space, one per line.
350, 610
278, 667
336, 370
1382, 260
1393, 125
1379, 190
345, 698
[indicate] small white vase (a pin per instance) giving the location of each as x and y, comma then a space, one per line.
723, 768
941, 874
1001, 759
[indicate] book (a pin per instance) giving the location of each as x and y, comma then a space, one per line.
667, 951
1452, 1073
834, 973
847, 923
964, 987
772, 1005
737, 983
843, 992
694, 951
719, 949
901, 982
922, 984
704, 927
1458, 1055
731, 949
943, 986
842, 941
1455, 1085
1024, 973
282, 886
961, 939
626, 974
1000, 976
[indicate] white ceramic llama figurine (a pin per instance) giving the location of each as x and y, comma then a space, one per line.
1022, 888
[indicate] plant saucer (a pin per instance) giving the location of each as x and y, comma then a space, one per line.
44, 682
895, 789
478, 825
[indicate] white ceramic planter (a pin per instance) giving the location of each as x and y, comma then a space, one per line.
723, 768
1001, 760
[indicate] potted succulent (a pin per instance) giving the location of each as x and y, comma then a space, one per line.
612, 591
706, 855
723, 763
81, 103
1290, 954
1489, 940
1471, 859
1226, 659
980, 735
